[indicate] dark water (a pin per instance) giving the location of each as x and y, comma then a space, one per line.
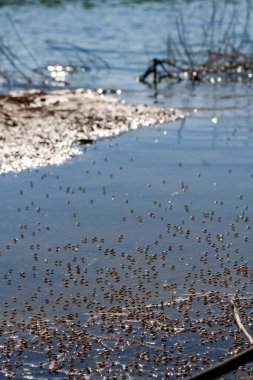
122, 263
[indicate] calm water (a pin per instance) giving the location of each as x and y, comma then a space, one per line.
122, 263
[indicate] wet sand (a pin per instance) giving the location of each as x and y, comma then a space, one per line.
38, 129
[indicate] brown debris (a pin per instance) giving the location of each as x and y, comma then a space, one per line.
37, 129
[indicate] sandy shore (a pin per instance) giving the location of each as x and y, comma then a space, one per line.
38, 129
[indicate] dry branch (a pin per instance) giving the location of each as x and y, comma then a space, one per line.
239, 323
227, 59
234, 362
74, 59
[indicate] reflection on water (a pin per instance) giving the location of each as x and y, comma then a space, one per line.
122, 263
132, 251
109, 53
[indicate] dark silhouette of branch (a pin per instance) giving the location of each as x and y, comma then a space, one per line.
227, 58
226, 366
235, 361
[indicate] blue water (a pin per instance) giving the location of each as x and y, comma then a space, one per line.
158, 216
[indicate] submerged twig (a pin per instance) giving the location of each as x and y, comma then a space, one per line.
234, 362
226, 366
239, 323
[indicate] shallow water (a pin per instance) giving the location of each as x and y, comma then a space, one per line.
123, 261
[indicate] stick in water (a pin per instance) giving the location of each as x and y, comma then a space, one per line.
239, 323
231, 364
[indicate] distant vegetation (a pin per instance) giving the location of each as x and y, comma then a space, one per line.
223, 52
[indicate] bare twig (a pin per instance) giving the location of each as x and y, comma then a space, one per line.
239, 323
21, 40
181, 35
9, 57
224, 54
234, 362
14, 67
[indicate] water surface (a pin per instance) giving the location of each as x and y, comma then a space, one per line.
122, 262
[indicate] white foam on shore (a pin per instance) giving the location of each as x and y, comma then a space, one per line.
39, 129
